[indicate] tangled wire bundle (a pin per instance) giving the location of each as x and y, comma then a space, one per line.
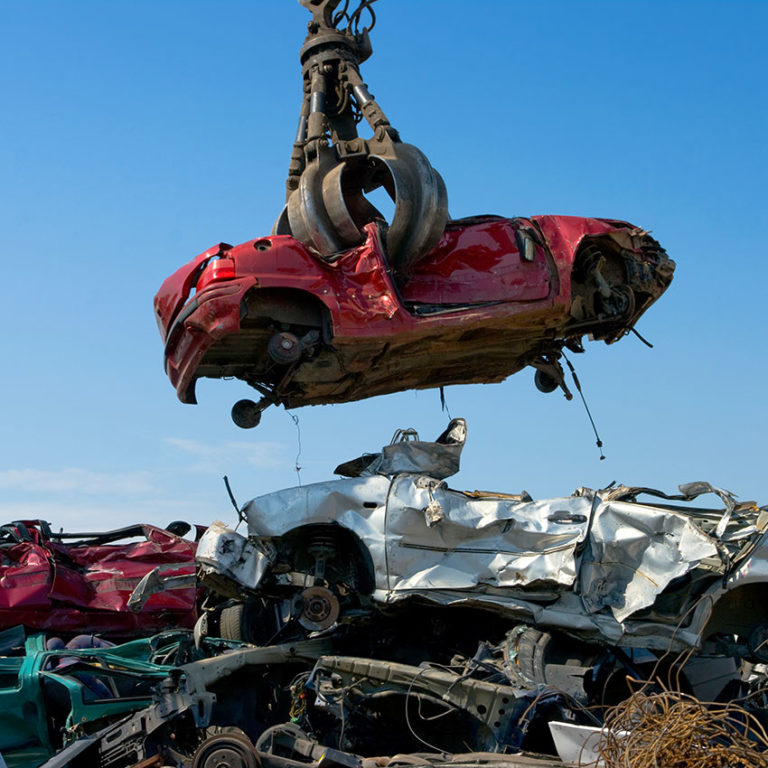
668, 729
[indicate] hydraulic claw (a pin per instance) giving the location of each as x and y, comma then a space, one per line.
332, 168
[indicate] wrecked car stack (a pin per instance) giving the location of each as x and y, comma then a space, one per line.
393, 614
385, 618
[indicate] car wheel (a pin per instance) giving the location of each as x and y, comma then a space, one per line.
246, 414
531, 648
248, 622
226, 751
233, 623
544, 382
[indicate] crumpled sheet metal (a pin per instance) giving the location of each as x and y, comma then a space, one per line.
358, 504
438, 459
588, 562
65, 587
223, 551
497, 542
635, 552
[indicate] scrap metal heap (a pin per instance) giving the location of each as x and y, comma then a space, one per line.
385, 618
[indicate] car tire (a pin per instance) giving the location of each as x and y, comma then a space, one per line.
233, 623
531, 650
229, 749
246, 414
544, 382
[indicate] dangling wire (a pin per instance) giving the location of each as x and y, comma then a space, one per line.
443, 404
240, 517
577, 384
408, 719
297, 466
645, 341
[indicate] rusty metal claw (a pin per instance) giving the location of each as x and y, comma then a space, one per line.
308, 218
332, 168
421, 205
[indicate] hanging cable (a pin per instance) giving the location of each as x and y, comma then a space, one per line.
577, 384
645, 341
297, 466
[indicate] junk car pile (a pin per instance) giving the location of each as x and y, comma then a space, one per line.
386, 619
385, 613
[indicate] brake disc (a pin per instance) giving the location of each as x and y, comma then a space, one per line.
318, 608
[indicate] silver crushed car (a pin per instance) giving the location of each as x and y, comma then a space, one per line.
629, 567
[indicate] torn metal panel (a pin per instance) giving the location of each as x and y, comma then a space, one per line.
75, 582
635, 552
222, 552
601, 565
407, 453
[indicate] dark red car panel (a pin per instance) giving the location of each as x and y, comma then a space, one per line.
82, 585
477, 265
475, 309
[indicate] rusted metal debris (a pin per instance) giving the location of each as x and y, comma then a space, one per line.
386, 614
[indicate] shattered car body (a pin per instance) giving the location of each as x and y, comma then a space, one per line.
78, 582
493, 296
598, 565
164, 699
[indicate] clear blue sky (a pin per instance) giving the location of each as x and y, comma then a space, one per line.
136, 134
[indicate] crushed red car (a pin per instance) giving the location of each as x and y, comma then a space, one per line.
80, 582
495, 295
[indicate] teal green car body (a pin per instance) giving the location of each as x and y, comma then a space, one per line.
35, 683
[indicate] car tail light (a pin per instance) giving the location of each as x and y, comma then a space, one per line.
216, 269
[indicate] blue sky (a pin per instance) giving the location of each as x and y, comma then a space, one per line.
137, 134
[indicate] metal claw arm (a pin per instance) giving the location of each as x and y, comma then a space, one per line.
332, 167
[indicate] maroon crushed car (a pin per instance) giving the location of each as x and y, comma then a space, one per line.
70, 583
495, 295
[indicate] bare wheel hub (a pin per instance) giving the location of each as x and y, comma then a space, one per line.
319, 608
284, 348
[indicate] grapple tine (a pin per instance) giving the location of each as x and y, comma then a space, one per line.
331, 166
281, 225
308, 219
335, 204
421, 205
